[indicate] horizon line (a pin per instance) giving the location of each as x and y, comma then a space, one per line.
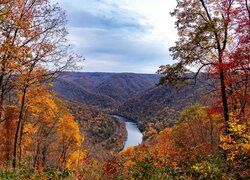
108, 72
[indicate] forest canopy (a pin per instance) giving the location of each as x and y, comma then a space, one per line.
203, 136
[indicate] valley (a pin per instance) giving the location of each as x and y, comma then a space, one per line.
93, 97
190, 120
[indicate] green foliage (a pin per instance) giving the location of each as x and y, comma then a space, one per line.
52, 173
145, 168
215, 166
193, 112
209, 168
154, 168
31, 173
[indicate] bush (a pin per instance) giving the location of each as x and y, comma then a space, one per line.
30, 173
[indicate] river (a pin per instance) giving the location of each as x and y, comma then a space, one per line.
134, 134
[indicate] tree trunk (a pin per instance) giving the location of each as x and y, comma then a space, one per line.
36, 157
8, 141
1, 98
20, 143
44, 155
18, 127
224, 95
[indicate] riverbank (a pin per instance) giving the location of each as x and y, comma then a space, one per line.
134, 135
113, 144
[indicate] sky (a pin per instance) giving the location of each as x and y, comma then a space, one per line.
121, 35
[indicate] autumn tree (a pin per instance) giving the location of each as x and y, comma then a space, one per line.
197, 132
49, 135
40, 118
209, 41
69, 139
33, 48
238, 66
7, 135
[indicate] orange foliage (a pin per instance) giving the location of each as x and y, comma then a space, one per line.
195, 134
49, 134
7, 135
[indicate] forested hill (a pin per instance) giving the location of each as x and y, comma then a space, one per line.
157, 108
125, 85
195, 124
106, 90
135, 96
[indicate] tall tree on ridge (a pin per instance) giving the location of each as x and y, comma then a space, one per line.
208, 35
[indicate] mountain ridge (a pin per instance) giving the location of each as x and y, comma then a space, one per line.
132, 95
102, 89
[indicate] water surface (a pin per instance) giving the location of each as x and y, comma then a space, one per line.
134, 134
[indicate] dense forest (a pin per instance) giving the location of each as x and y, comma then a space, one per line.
57, 123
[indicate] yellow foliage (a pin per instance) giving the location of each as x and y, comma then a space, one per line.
49, 127
69, 140
237, 143
40, 101
75, 159
68, 131
128, 154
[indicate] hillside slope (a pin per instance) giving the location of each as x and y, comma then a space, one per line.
125, 85
72, 91
156, 108
87, 80
105, 90
132, 95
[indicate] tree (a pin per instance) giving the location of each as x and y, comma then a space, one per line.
208, 35
33, 49
40, 112
7, 135
238, 67
69, 139
49, 135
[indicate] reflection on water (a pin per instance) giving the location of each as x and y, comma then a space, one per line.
134, 135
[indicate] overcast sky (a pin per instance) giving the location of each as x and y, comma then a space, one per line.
121, 35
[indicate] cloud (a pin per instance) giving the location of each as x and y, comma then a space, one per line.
121, 36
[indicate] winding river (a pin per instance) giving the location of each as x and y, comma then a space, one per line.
134, 134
